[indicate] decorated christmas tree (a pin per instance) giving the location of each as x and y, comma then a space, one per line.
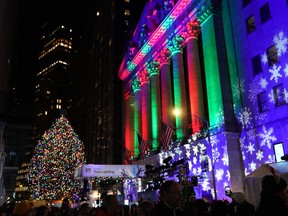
55, 158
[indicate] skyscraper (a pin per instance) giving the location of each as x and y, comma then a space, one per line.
96, 113
52, 78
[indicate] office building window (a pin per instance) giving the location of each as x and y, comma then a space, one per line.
256, 64
279, 96
250, 24
272, 55
262, 102
127, 12
246, 2
265, 12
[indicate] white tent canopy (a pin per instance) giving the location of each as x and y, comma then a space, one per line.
252, 183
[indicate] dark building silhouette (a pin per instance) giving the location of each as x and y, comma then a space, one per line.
96, 110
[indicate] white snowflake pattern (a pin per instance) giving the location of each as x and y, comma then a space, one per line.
281, 42
263, 83
219, 174
285, 95
246, 171
215, 154
245, 117
250, 148
178, 151
251, 134
238, 88
271, 96
172, 154
195, 160
253, 91
275, 71
252, 166
188, 154
259, 155
206, 185
286, 70
225, 159
228, 175
264, 58
194, 171
214, 141
220, 118
267, 137
261, 118
271, 159
195, 150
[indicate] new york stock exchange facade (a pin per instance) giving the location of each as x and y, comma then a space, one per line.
192, 64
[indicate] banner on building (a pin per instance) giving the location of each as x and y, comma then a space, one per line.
109, 171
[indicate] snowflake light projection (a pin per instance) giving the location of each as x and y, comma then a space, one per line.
286, 70
245, 117
281, 42
267, 137
238, 89
263, 83
275, 71
264, 58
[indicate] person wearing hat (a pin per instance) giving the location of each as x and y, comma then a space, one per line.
273, 197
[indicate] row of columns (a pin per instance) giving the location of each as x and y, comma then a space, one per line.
156, 91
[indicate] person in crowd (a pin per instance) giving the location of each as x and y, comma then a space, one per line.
169, 200
84, 210
65, 207
240, 206
144, 208
54, 211
197, 207
273, 197
110, 207
219, 208
22, 209
42, 210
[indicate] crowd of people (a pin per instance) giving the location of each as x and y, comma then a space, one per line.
273, 201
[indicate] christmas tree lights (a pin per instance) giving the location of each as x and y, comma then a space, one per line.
57, 155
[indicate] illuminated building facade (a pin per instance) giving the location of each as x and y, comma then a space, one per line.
223, 65
53, 76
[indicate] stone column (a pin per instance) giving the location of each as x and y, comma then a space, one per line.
218, 87
166, 87
129, 119
136, 86
180, 100
153, 68
194, 76
219, 94
146, 105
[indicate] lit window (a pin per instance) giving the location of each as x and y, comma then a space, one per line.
272, 55
48, 92
46, 112
127, 12
250, 24
246, 2
279, 96
256, 64
265, 13
262, 102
